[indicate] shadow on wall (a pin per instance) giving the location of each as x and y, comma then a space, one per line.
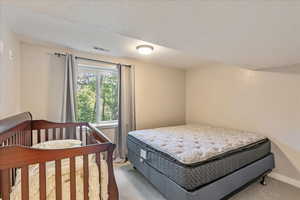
287, 160
291, 69
55, 82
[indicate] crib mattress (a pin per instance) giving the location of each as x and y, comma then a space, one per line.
192, 172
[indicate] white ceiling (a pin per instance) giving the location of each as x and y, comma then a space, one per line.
252, 34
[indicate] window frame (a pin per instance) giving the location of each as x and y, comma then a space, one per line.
98, 69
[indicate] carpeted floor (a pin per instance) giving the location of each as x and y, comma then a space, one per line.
133, 186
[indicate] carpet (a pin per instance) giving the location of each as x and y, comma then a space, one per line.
133, 186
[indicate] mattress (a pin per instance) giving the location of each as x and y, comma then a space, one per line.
175, 152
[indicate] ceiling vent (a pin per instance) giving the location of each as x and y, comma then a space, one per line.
100, 49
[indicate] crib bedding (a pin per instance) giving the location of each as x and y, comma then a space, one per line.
175, 152
95, 189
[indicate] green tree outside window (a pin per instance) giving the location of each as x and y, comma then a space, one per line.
97, 96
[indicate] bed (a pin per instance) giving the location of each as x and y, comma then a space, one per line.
199, 161
46, 160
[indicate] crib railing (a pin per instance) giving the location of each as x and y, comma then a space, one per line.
16, 153
19, 135
16, 134
24, 156
45, 131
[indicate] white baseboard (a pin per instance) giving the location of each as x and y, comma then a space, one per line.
285, 179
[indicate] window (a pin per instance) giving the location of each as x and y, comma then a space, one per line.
97, 94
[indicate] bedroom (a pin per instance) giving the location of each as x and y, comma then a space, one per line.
215, 64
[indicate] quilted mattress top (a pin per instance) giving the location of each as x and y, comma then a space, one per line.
191, 144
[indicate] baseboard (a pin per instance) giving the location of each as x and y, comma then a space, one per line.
285, 179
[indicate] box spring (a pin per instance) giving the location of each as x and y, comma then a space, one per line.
222, 188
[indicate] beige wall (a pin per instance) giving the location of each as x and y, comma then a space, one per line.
9, 70
160, 96
263, 102
160, 91
41, 82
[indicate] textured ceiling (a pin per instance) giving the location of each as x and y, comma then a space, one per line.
252, 34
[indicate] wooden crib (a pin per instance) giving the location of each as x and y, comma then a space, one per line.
17, 135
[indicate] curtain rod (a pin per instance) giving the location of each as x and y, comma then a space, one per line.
89, 59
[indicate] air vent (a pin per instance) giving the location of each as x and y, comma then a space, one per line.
100, 49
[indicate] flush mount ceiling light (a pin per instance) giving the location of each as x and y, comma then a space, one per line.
145, 49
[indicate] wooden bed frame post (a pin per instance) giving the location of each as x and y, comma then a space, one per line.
113, 191
0, 183
5, 188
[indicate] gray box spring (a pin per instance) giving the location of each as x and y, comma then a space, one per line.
192, 177
219, 189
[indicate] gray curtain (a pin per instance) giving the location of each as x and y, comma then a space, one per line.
126, 111
69, 92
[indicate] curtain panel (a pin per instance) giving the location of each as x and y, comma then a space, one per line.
126, 111
69, 94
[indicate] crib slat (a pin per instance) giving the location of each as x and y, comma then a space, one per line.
58, 180
86, 177
42, 173
80, 133
74, 133
39, 135
23, 134
24, 183
13, 171
72, 178
86, 136
18, 138
67, 133
1, 179
71, 133
46, 134
30, 137
15, 138
98, 161
61, 133
24, 138
5, 188
13, 141
54, 133
98, 158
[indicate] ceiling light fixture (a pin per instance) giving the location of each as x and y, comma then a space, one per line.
145, 49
